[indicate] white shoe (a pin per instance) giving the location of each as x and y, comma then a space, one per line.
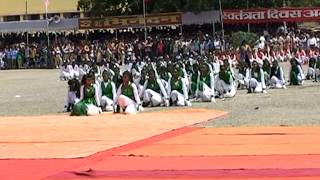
213, 100
188, 103
166, 103
140, 108
65, 109
264, 92
109, 108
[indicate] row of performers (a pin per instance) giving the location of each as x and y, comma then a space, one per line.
164, 84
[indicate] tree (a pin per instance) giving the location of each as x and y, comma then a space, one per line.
198, 5
102, 8
159, 6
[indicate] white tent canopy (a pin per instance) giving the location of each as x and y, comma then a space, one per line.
190, 18
38, 26
204, 17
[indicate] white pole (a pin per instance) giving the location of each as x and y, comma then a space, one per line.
26, 20
48, 38
248, 8
222, 26
47, 19
213, 25
213, 28
48, 29
145, 22
285, 23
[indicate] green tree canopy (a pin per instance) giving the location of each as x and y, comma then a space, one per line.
101, 8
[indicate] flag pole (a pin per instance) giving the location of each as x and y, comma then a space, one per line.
47, 28
222, 26
248, 23
48, 37
284, 4
27, 36
144, 20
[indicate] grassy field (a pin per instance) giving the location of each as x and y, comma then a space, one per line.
39, 92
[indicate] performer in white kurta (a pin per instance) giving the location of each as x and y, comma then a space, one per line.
194, 81
255, 77
225, 83
108, 91
206, 84
311, 69
296, 73
66, 72
89, 103
127, 96
277, 76
82, 71
177, 90
164, 75
138, 77
76, 71
317, 70
153, 92
183, 74
241, 75
73, 95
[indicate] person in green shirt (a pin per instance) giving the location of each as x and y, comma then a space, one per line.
89, 104
108, 90
164, 75
225, 83
138, 76
242, 67
117, 79
255, 79
277, 76
266, 67
296, 73
194, 81
311, 69
20, 59
127, 96
317, 70
73, 96
153, 91
206, 83
177, 90
95, 68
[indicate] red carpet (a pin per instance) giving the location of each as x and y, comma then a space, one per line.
195, 155
280, 153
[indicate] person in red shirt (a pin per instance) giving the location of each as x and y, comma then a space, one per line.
160, 48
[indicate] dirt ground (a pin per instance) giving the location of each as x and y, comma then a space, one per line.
40, 92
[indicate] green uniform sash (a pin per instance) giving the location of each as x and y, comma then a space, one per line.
205, 80
276, 72
256, 75
128, 91
226, 76
194, 82
107, 90
177, 85
153, 85
294, 75
165, 76
80, 109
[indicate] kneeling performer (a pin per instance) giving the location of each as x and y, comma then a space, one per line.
127, 96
